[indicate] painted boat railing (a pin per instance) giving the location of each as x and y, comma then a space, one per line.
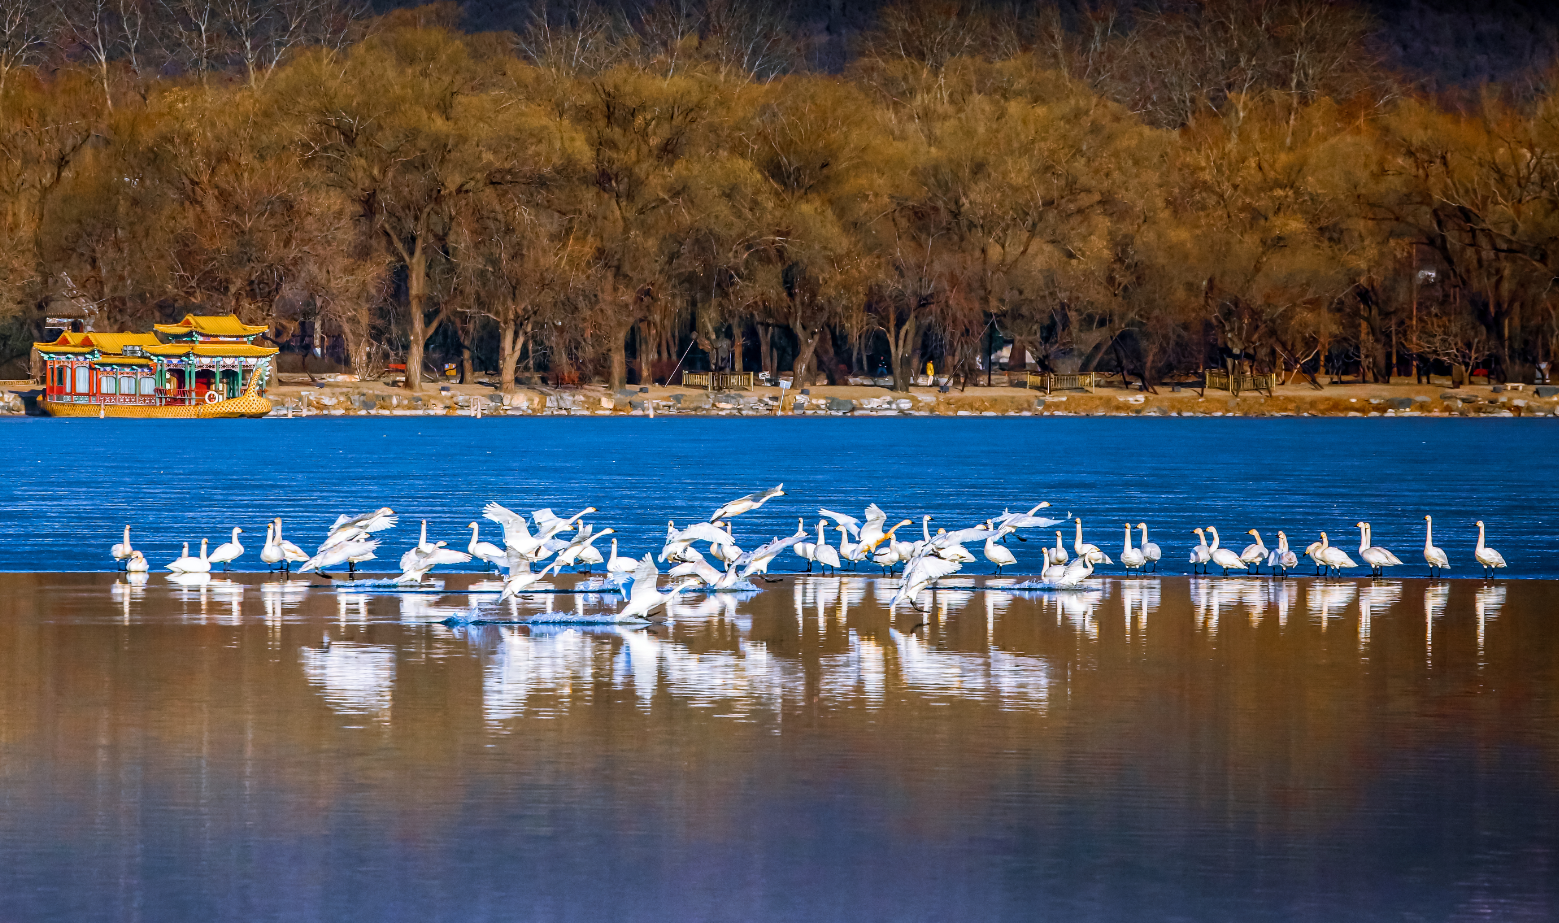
160, 399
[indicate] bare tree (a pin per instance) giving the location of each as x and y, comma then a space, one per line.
25, 29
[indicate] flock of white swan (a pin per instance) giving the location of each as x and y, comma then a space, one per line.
552, 542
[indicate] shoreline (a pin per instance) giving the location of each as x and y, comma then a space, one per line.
296, 397
457, 582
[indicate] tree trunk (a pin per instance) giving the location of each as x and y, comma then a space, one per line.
647, 354
736, 346
617, 373
824, 357
901, 344
766, 348
806, 346
467, 366
1017, 359
508, 355
417, 301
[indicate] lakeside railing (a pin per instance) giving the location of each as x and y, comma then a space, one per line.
1221, 380
1049, 381
719, 381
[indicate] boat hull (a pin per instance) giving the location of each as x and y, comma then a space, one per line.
244, 405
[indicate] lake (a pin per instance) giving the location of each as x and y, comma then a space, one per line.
74, 484
1155, 749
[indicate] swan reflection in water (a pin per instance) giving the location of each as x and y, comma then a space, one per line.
1488, 601
354, 679
1325, 599
1376, 596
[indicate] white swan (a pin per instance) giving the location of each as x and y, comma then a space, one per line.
616, 564
1058, 554
806, 551
1434, 556
1374, 555
1074, 573
1131, 558
1084, 549
291, 554
271, 553
1332, 557
228, 551
757, 561
1282, 558
520, 580
423, 547
191, 565
1223, 557
890, 551
643, 596
1490, 559
1149, 550
872, 531
122, 550
1201, 554
353, 528
590, 555
745, 504
924, 571
350, 553
825, 554
136, 562
925, 537
848, 550
424, 561
1313, 552
999, 555
727, 551
486, 551
1254, 554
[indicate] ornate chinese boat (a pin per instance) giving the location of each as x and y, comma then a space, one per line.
201, 367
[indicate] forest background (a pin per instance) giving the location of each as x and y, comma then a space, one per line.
612, 191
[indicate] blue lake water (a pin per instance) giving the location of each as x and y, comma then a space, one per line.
74, 484
1154, 748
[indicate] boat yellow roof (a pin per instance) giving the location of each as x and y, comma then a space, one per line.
105, 343
218, 325
231, 350
122, 360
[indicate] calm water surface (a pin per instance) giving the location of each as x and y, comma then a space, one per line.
72, 485
1156, 749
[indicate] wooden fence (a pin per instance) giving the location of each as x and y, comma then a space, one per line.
1049, 382
1221, 380
719, 381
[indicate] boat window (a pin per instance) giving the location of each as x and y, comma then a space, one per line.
107, 384
83, 380
146, 385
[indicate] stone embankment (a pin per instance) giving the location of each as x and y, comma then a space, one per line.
351, 398
359, 399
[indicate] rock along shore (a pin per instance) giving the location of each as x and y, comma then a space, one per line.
332, 398
355, 398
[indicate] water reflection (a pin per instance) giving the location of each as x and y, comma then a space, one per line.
354, 679
1032, 746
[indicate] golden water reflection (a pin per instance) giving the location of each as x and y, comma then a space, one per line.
1383, 734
